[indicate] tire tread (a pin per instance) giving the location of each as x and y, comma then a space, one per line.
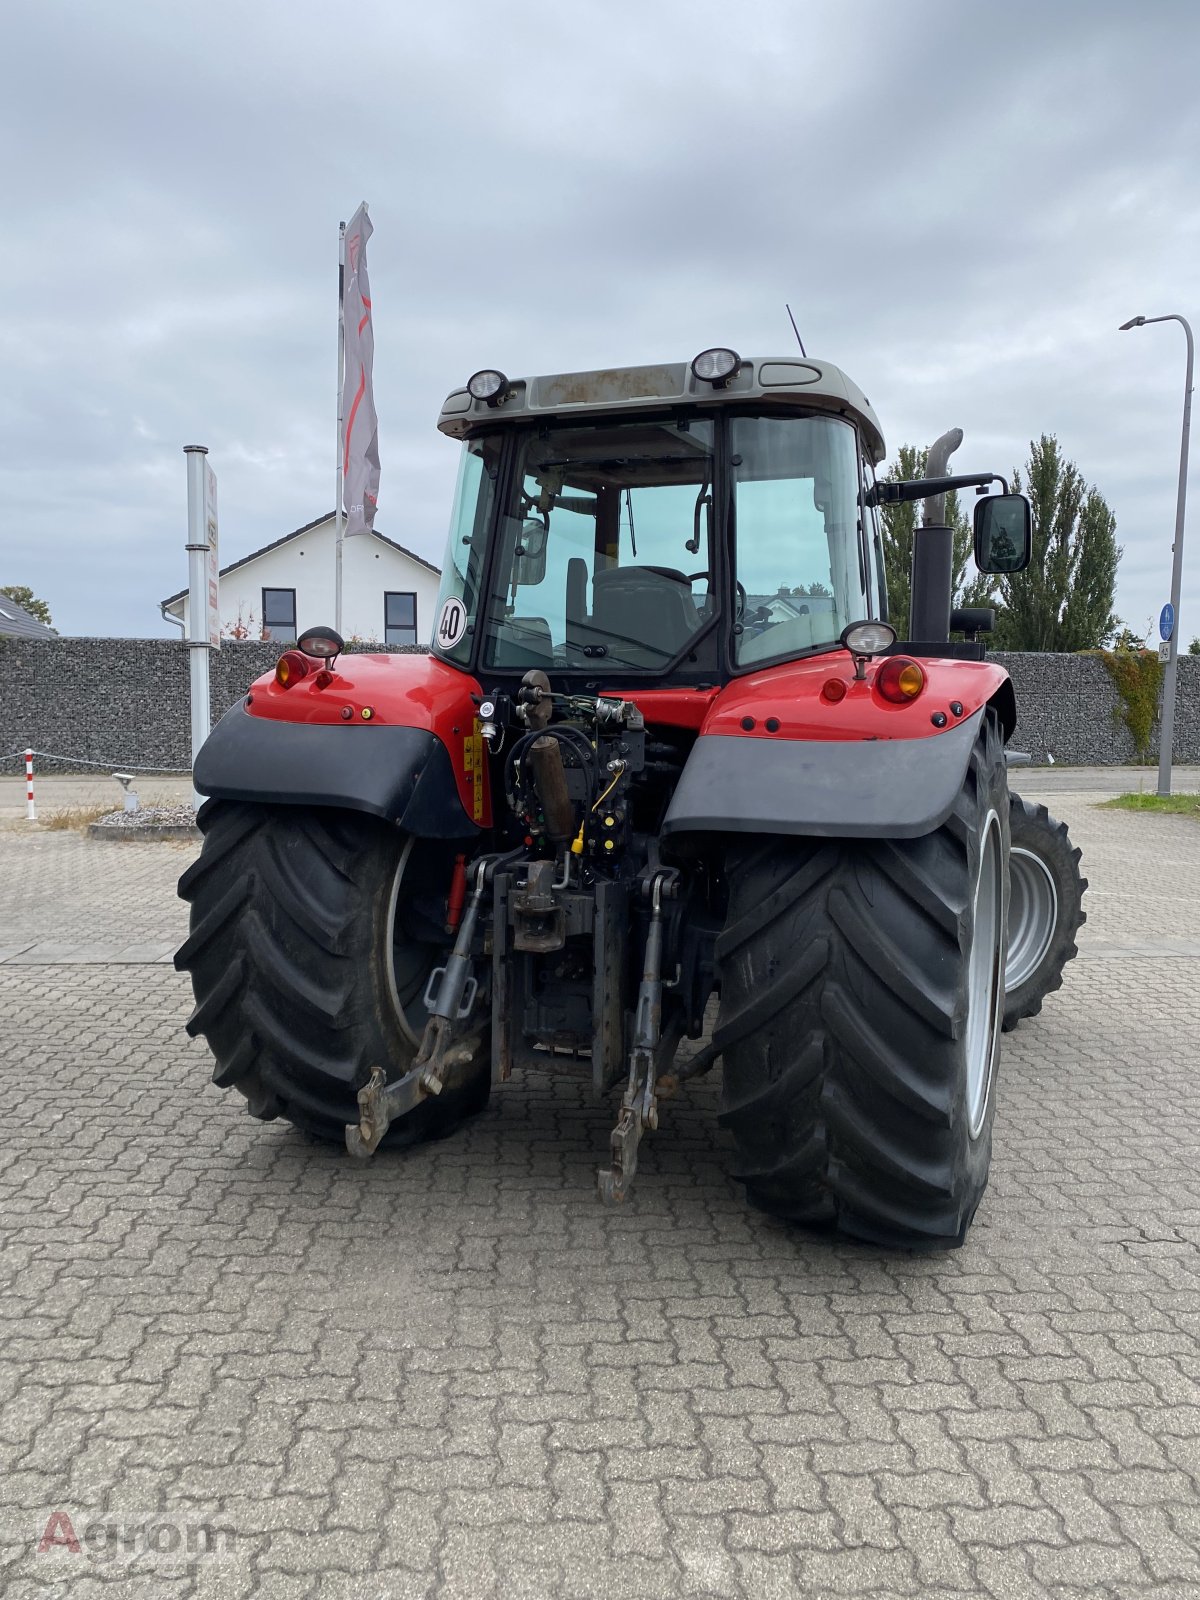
1031, 824
842, 1028
290, 988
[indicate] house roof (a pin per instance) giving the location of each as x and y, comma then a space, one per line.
328, 516
16, 623
796, 604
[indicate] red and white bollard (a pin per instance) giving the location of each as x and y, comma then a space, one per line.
30, 808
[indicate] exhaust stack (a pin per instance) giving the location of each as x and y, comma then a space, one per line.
932, 584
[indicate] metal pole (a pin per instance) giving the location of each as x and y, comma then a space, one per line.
197, 639
1171, 676
341, 370
30, 807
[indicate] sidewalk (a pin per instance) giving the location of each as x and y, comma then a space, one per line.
1104, 780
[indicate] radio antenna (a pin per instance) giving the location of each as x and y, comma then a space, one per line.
795, 330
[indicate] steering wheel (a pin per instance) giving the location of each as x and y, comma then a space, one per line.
675, 574
739, 612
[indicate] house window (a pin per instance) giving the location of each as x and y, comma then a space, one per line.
279, 613
399, 619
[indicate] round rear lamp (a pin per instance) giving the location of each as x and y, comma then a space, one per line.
717, 365
868, 638
290, 668
833, 690
900, 680
488, 385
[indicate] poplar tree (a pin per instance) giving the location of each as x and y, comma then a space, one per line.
1064, 598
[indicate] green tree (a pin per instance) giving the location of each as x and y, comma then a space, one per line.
1064, 598
900, 523
1126, 639
1194, 648
28, 601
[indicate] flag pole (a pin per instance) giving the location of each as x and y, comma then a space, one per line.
341, 372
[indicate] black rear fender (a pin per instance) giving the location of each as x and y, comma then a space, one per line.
849, 788
401, 774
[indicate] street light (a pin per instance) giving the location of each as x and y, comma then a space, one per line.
1167, 738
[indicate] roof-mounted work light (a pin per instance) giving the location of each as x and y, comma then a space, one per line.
716, 366
488, 385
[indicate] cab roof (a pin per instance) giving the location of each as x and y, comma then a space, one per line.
777, 380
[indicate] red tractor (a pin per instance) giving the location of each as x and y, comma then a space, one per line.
665, 750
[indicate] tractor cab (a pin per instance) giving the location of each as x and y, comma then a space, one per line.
682, 523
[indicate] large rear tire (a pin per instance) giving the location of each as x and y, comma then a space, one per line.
862, 983
1045, 908
313, 933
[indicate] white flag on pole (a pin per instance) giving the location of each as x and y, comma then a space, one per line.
360, 424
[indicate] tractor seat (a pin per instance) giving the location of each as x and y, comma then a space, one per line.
646, 615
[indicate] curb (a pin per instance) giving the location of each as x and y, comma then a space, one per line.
97, 830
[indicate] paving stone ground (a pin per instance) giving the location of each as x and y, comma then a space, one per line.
450, 1373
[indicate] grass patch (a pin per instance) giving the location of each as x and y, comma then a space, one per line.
1182, 805
68, 819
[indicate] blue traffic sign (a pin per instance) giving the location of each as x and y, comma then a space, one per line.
1166, 621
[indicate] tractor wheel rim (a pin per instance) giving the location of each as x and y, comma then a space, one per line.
407, 987
984, 977
1032, 915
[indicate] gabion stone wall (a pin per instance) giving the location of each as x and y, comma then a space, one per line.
120, 702
1068, 708
124, 702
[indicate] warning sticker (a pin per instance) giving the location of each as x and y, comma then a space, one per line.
473, 767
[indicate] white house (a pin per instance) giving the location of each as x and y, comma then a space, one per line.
388, 592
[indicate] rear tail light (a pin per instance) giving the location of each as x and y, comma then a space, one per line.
900, 680
290, 668
833, 690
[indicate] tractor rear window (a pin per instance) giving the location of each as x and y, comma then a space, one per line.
798, 549
604, 556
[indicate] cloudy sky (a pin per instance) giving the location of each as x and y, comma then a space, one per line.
961, 201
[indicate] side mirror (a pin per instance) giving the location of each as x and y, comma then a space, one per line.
529, 564
1003, 533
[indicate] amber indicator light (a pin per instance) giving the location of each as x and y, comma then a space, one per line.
290, 668
900, 680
